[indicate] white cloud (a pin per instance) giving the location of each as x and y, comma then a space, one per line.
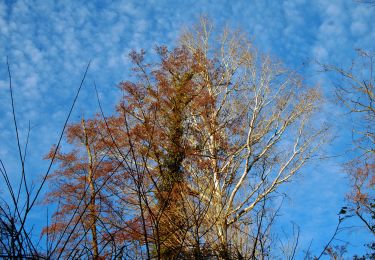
358, 28
320, 53
3, 85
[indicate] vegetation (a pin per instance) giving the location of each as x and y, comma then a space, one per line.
190, 162
356, 94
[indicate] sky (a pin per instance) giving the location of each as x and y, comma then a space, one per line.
49, 43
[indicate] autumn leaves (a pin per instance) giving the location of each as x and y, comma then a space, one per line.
197, 147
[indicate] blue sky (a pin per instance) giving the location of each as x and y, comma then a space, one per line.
50, 42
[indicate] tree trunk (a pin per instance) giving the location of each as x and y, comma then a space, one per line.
92, 206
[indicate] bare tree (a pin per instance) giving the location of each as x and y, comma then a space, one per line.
356, 93
190, 163
217, 128
254, 133
20, 199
